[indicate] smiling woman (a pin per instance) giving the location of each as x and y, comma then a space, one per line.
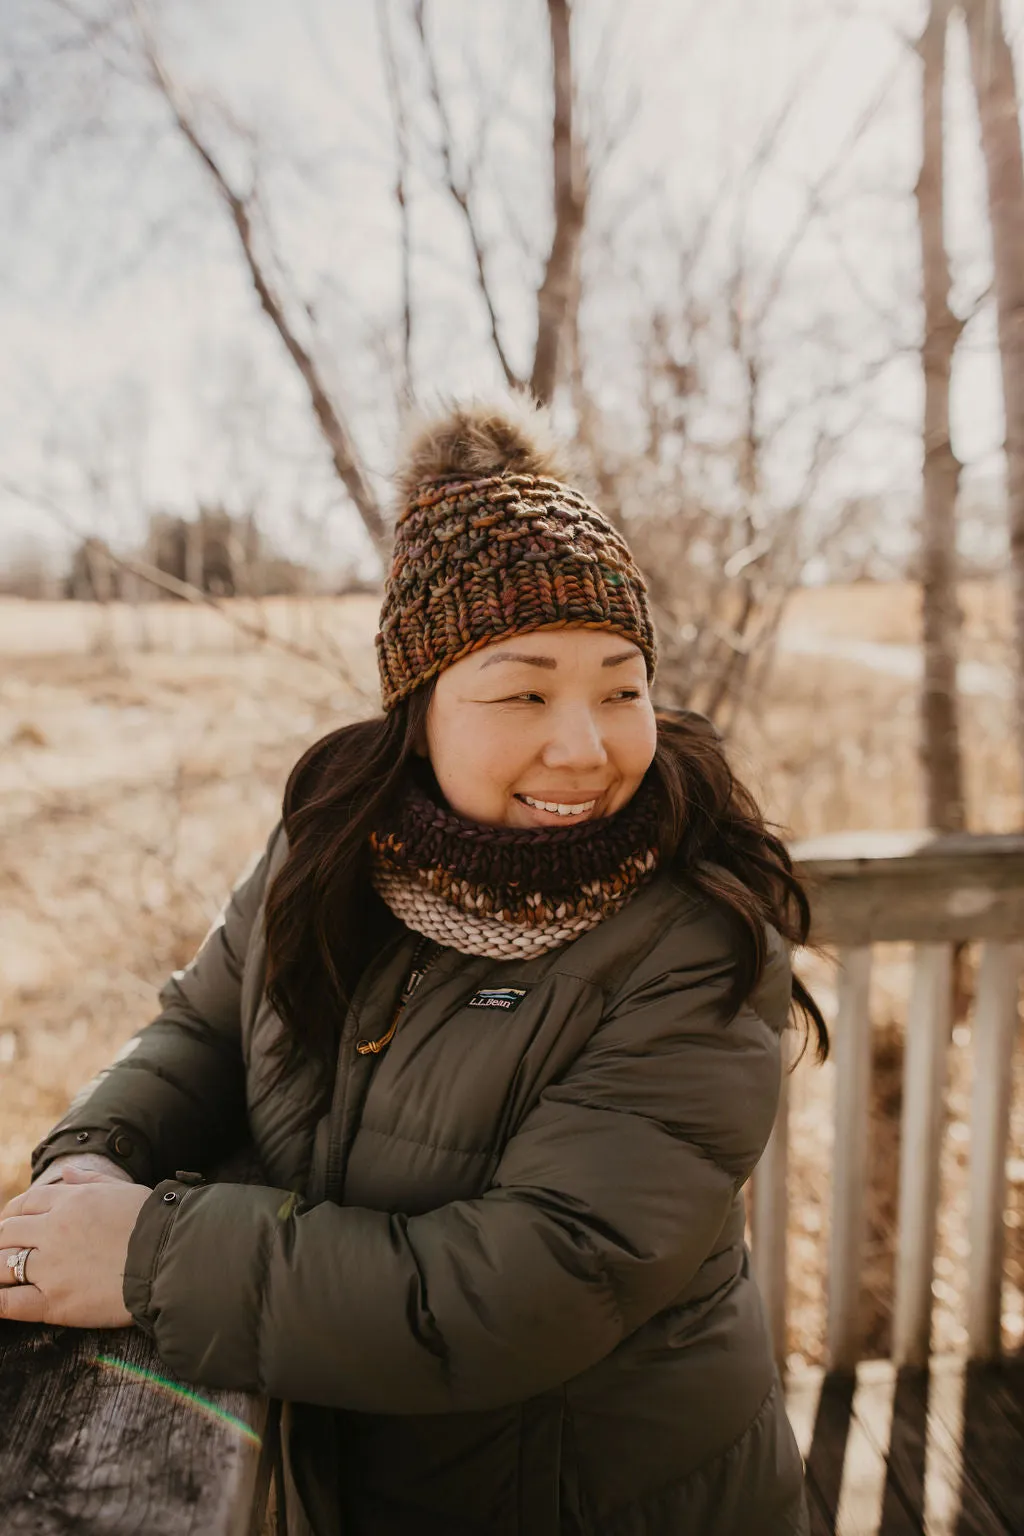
501, 1007
559, 730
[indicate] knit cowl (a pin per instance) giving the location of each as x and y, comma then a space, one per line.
510, 892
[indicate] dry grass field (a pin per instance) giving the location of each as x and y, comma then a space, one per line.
142, 758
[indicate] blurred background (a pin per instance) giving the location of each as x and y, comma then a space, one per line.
764, 258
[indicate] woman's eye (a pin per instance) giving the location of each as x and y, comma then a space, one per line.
627, 693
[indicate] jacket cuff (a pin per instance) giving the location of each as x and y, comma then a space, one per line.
125, 1148
149, 1237
195, 1273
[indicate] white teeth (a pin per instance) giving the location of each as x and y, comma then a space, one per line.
558, 809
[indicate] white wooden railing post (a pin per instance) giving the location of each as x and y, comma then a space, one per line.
771, 1215
849, 1167
924, 1063
933, 890
995, 1030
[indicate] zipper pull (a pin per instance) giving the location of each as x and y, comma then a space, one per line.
374, 1047
420, 964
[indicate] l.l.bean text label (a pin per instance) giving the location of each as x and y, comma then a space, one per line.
505, 998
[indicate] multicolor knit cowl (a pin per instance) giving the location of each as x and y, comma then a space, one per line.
510, 892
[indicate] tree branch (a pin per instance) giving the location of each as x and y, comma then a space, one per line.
817, 191
460, 193
401, 130
335, 431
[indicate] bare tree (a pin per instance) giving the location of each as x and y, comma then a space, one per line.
460, 187
995, 87
558, 293
399, 119
940, 727
744, 562
345, 456
719, 572
720, 543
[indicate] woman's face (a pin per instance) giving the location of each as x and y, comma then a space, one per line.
542, 730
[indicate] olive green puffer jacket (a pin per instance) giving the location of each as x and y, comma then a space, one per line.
502, 1281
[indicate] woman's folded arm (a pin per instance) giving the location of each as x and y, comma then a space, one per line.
606, 1202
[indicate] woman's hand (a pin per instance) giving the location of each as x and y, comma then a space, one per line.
77, 1229
95, 1162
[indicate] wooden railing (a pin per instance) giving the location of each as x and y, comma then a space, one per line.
935, 892
93, 1432
97, 1436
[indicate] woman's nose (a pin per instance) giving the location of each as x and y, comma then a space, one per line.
575, 742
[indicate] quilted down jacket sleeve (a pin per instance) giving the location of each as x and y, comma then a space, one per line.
175, 1095
607, 1199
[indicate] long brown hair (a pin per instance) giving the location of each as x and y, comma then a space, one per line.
324, 921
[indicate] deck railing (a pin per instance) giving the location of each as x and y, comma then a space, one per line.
936, 892
129, 1449
97, 1437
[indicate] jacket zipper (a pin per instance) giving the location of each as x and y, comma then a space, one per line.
348, 1089
421, 960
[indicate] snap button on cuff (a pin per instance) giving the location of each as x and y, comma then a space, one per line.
170, 1197
82, 1136
122, 1145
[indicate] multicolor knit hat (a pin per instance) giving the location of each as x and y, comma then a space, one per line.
493, 541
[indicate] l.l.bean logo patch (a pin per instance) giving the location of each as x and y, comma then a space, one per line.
507, 999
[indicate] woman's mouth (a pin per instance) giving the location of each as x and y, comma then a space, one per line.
568, 810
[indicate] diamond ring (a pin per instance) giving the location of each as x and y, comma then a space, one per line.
16, 1264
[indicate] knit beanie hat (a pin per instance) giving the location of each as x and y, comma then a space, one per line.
491, 541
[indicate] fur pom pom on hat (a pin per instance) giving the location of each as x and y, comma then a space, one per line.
480, 439
493, 540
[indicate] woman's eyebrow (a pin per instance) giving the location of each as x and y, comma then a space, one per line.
531, 661
549, 661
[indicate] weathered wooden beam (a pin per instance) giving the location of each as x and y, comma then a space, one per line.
849, 1166
921, 887
995, 1033
924, 1061
97, 1436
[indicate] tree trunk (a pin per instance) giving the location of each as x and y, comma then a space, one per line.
995, 88
555, 296
940, 728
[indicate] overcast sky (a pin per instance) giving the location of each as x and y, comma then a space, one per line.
136, 369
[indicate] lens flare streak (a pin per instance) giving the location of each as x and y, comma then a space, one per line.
186, 1394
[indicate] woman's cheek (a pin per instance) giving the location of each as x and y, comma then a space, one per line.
636, 740
498, 761
476, 768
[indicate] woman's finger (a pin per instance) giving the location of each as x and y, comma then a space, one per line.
21, 1232
22, 1304
34, 1201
